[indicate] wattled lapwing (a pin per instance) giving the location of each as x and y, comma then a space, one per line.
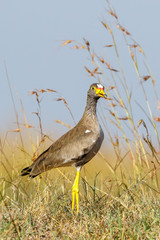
76, 147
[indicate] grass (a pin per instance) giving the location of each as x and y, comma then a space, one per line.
41, 209
120, 199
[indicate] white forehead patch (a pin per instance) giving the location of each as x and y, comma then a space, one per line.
87, 131
99, 85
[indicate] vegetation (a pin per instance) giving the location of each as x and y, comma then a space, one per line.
120, 199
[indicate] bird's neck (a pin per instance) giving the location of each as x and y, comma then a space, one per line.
90, 109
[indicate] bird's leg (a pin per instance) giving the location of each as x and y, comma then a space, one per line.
75, 192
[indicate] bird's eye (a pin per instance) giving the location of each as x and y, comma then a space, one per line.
92, 88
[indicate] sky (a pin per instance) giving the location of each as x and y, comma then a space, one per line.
31, 36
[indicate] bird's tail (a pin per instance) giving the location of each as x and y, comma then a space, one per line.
36, 168
26, 171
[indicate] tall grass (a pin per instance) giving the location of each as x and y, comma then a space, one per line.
120, 199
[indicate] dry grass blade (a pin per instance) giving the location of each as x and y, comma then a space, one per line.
123, 29
111, 87
14, 106
157, 119
145, 78
16, 227
28, 126
16, 130
64, 124
113, 14
87, 44
66, 42
51, 90
123, 118
66, 105
104, 24
109, 45
133, 45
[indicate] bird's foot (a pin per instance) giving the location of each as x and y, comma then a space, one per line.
75, 193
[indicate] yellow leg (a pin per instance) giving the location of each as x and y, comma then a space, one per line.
75, 192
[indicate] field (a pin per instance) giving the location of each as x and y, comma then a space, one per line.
119, 189
113, 205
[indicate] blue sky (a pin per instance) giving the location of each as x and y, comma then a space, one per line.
31, 33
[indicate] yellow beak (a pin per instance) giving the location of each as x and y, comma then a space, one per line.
101, 93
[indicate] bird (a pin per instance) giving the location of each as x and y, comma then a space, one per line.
76, 147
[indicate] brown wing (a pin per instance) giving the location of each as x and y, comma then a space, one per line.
66, 151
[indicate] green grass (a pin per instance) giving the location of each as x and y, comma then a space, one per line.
119, 190
45, 212
109, 209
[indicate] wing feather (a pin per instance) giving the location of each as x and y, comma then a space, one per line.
71, 149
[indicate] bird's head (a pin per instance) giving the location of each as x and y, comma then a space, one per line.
97, 90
